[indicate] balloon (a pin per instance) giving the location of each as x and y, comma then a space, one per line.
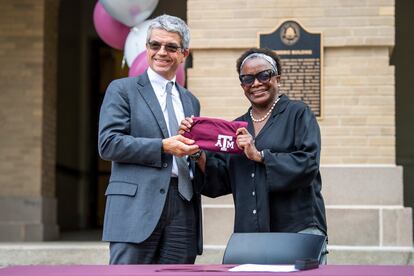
135, 41
130, 12
112, 32
140, 64
180, 76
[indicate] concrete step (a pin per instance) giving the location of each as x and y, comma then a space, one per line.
51, 253
378, 185
347, 225
364, 207
339, 255
362, 184
28, 253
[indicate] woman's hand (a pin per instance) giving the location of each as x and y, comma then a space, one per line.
246, 143
185, 125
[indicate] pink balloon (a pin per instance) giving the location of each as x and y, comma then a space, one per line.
140, 64
111, 31
180, 77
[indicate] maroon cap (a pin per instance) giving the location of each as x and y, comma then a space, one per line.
215, 134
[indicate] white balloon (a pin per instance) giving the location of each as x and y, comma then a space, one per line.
130, 12
135, 42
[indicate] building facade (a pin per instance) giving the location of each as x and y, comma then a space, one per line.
362, 183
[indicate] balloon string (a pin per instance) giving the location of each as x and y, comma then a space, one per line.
123, 62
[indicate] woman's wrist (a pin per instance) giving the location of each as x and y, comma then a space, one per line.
196, 156
261, 156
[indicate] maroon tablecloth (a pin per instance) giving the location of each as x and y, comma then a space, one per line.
189, 270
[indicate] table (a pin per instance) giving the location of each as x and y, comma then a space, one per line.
199, 270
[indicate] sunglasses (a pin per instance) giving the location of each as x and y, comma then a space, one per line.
169, 47
262, 77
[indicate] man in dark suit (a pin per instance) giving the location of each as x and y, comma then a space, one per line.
152, 213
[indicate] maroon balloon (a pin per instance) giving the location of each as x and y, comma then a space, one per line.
111, 31
140, 64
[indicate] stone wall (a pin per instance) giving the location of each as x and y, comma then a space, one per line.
362, 185
358, 123
28, 80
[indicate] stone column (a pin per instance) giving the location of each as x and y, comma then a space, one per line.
28, 43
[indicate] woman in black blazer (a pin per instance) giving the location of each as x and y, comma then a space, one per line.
276, 183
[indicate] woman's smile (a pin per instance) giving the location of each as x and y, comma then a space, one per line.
259, 92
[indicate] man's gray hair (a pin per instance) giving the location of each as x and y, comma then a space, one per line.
171, 24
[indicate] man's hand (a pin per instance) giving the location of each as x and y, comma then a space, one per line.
246, 143
179, 145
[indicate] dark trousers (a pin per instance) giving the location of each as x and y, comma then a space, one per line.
173, 240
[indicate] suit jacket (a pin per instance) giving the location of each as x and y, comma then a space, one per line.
131, 128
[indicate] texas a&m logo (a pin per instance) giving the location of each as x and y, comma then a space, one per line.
224, 142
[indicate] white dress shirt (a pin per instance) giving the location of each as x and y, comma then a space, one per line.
158, 83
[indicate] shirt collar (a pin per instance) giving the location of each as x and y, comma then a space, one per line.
157, 79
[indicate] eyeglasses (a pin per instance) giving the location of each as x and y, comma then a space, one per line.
169, 47
262, 77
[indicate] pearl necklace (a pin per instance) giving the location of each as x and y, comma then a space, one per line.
265, 116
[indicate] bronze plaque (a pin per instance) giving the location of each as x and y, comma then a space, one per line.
301, 55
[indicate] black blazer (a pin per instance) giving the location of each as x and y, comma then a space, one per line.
284, 193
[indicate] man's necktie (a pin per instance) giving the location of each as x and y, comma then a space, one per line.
185, 188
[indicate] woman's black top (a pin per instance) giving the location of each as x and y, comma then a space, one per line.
283, 194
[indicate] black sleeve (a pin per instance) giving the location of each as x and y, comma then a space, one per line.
298, 168
216, 180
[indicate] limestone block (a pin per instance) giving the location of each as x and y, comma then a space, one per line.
31, 219
397, 227
370, 255
218, 225
353, 226
362, 185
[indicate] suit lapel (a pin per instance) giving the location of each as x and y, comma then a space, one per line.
148, 94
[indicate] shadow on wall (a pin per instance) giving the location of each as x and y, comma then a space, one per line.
403, 60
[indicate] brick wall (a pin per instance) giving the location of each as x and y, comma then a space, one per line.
358, 123
27, 102
21, 56
235, 23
